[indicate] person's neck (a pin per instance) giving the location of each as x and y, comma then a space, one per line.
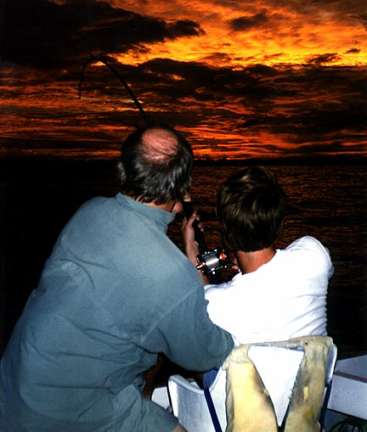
250, 261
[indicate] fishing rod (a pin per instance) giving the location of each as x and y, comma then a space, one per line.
111, 64
209, 261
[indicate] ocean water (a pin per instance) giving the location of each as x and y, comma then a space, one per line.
330, 203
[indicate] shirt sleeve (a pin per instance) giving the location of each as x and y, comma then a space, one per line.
188, 337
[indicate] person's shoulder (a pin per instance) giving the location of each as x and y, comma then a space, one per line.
90, 213
310, 249
94, 203
308, 243
98, 205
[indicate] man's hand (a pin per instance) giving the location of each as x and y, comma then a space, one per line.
190, 244
188, 234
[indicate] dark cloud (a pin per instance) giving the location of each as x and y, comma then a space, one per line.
314, 123
314, 99
316, 104
245, 23
363, 18
313, 104
218, 57
229, 3
272, 56
44, 34
261, 70
184, 28
314, 109
326, 114
210, 83
353, 51
324, 58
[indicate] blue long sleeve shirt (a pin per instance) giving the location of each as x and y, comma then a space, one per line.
115, 292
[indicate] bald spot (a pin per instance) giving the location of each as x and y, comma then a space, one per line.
159, 145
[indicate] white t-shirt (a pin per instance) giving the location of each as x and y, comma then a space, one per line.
282, 299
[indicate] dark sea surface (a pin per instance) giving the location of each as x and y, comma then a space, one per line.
328, 201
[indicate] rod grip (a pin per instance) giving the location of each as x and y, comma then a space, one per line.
199, 235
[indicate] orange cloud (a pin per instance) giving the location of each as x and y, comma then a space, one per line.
270, 78
268, 32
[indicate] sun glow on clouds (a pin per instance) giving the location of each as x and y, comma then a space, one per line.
264, 78
266, 32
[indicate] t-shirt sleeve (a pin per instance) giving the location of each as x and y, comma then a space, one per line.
188, 337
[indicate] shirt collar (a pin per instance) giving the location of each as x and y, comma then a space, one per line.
161, 217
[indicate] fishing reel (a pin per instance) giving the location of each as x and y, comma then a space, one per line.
209, 261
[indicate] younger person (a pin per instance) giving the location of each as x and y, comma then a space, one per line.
279, 293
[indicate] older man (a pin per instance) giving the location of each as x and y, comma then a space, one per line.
114, 293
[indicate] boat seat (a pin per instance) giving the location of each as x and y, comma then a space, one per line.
261, 387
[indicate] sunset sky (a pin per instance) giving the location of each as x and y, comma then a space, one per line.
242, 79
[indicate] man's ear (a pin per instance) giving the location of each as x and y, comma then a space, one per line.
177, 207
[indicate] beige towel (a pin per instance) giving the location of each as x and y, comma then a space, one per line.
249, 408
